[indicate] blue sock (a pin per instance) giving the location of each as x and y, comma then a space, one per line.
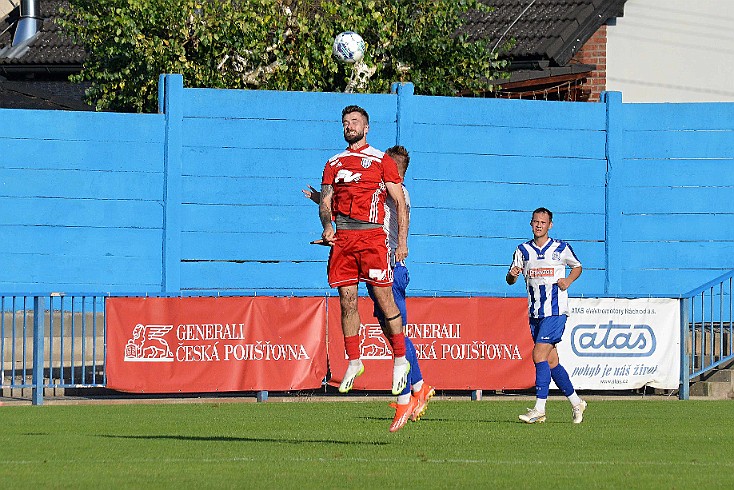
542, 379
415, 372
562, 380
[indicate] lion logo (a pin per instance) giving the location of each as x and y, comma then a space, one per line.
372, 343
148, 345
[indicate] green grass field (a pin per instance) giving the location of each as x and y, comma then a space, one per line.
345, 444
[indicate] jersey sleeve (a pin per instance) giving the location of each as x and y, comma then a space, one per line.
517, 259
569, 257
327, 177
390, 170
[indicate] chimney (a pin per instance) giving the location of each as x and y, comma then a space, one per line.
29, 23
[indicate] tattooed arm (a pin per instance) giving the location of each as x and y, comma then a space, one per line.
325, 213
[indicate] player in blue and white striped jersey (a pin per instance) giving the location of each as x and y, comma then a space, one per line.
543, 261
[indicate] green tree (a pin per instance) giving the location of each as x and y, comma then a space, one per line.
274, 45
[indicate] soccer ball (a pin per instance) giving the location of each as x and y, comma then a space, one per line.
348, 47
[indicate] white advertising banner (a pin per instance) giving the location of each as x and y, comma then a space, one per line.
620, 344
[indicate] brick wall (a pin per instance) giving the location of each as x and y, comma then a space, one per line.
594, 52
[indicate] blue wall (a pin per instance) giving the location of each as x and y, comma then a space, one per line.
81, 200
481, 166
205, 196
673, 174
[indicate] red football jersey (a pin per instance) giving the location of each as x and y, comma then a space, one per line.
358, 178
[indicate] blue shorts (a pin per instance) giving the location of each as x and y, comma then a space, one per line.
400, 281
548, 330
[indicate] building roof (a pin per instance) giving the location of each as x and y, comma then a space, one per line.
49, 51
43, 94
545, 32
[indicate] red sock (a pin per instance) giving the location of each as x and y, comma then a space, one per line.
351, 345
397, 342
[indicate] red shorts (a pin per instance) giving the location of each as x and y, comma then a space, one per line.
360, 255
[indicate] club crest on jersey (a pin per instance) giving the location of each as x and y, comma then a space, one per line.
556, 256
366, 162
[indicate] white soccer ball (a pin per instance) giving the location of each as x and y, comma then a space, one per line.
348, 47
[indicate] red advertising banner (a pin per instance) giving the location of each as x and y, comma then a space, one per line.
209, 344
461, 343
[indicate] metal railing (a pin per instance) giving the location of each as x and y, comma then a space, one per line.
707, 338
58, 340
52, 341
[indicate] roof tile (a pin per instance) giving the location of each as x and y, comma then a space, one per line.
49, 47
541, 29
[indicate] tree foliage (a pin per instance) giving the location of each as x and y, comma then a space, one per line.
274, 45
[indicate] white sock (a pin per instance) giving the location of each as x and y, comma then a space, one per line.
401, 360
417, 386
404, 399
355, 362
540, 404
574, 399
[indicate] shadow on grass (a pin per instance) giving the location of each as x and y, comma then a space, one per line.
244, 439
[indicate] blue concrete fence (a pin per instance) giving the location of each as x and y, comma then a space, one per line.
205, 196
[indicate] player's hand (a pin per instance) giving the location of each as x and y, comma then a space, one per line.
515, 271
312, 194
563, 283
401, 253
328, 235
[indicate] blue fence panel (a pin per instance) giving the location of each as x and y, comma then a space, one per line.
246, 157
82, 200
478, 169
679, 166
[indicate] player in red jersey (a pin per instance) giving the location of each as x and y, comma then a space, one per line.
412, 403
354, 187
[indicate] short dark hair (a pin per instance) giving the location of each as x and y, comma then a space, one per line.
355, 108
401, 151
546, 211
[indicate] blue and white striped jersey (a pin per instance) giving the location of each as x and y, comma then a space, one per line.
542, 268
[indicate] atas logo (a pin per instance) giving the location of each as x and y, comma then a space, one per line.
148, 345
613, 340
345, 175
